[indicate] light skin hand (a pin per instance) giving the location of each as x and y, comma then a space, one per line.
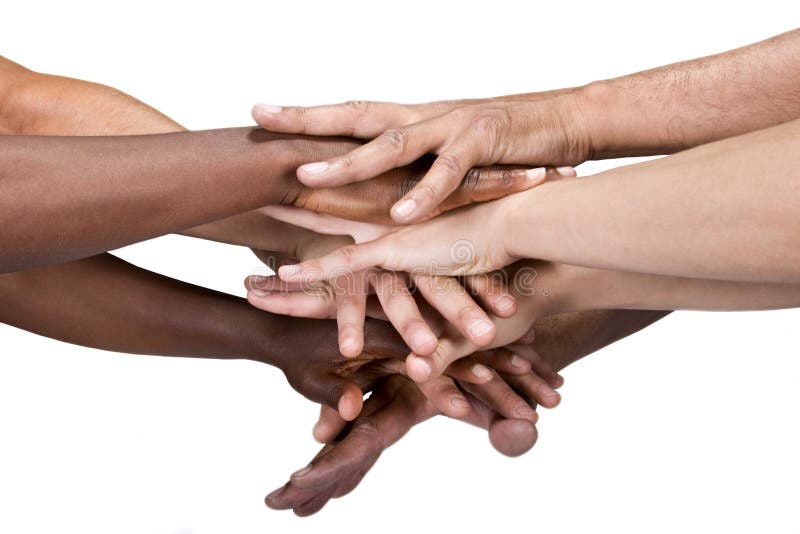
462, 134
659, 111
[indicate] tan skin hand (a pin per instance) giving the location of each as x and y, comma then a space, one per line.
535, 129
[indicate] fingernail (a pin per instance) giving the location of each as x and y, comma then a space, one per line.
535, 174
566, 171
504, 303
526, 411
346, 343
405, 208
269, 108
275, 493
315, 168
457, 401
481, 371
518, 361
424, 366
302, 472
423, 339
289, 271
480, 328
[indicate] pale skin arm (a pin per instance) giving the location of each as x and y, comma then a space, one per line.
659, 111
727, 211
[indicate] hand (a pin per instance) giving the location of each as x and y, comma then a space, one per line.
468, 241
370, 201
534, 129
313, 366
394, 408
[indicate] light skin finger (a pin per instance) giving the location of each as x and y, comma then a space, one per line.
491, 291
424, 368
393, 148
443, 393
450, 299
469, 370
444, 176
358, 118
293, 304
350, 259
351, 304
402, 311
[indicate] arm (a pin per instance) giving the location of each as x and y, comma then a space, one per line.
396, 407
727, 210
659, 111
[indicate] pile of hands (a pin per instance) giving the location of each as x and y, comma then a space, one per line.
424, 250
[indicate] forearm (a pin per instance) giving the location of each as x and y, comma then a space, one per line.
106, 303
584, 289
564, 339
63, 198
671, 108
727, 211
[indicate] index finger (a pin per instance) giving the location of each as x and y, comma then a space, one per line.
357, 118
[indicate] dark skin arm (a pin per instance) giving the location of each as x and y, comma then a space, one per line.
65, 198
395, 407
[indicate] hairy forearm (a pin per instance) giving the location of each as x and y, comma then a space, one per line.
727, 210
671, 108
106, 303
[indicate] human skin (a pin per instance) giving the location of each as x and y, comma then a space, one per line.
68, 291
341, 464
64, 198
718, 211
658, 111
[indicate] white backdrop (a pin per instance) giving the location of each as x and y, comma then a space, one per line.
689, 425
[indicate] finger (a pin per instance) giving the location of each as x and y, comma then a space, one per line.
329, 425
513, 437
454, 303
443, 393
350, 259
424, 368
482, 184
540, 366
391, 149
324, 223
315, 504
267, 284
469, 370
351, 309
507, 362
357, 118
492, 291
351, 401
402, 311
500, 397
312, 306
535, 389
448, 170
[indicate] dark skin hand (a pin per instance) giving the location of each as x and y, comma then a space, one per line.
341, 464
106, 303
65, 198
61, 106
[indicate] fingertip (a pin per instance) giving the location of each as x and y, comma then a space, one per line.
351, 345
423, 341
350, 405
418, 369
550, 399
567, 171
404, 210
482, 332
504, 306
513, 437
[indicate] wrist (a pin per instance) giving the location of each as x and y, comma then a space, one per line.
595, 103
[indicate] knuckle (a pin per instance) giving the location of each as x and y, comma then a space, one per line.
426, 191
359, 106
395, 140
470, 182
451, 163
367, 426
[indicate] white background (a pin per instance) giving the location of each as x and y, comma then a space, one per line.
690, 425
